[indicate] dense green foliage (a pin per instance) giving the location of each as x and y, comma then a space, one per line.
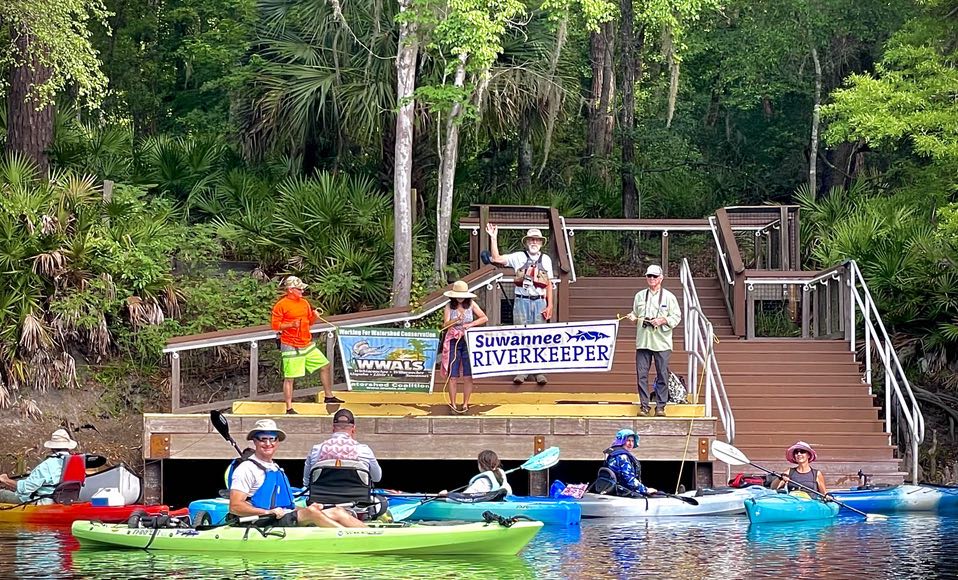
262, 131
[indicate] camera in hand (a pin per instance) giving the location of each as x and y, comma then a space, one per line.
646, 323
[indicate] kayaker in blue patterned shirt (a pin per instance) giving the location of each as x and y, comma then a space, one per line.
628, 471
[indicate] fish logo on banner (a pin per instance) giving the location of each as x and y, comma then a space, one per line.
570, 347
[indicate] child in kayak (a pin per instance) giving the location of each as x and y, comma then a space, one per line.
802, 455
628, 471
259, 487
491, 477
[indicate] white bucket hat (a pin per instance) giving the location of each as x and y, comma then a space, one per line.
60, 440
533, 233
266, 425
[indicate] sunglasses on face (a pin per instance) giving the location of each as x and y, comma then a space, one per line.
267, 439
651, 276
802, 451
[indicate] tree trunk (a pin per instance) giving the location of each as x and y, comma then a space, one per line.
554, 92
628, 67
447, 176
406, 56
29, 126
816, 119
524, 177
598, 142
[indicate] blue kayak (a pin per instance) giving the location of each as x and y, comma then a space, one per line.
214, 510
544, 509
788, 508
900, 498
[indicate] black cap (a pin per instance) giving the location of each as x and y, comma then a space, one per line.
344, 416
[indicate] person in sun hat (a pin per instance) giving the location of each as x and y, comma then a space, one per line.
44, 478
461, 314
343, 445
627, 469
533, 297
292, 317
656, 312
802, 455
259, 487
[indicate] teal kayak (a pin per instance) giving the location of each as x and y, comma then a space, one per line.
900, 498
464, 539
543, 509
788, 508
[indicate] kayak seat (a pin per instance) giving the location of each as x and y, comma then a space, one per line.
605, 482
71, 481
342, 482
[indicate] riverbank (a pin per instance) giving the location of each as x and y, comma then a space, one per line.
118, 437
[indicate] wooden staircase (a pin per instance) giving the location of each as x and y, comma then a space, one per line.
780, 390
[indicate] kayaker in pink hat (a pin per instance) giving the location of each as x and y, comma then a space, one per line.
802, 455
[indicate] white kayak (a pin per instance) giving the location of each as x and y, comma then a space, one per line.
711, 502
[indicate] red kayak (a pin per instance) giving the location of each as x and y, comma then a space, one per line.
66, 514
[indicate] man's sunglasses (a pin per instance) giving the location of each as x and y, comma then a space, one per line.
267, 439
651, 276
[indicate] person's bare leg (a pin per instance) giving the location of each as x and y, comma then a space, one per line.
314, 515
288, 393
326, 376
466, 391
453, 391
343, 518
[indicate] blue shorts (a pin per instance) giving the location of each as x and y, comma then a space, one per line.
459, 365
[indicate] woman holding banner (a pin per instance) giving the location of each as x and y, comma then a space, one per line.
459, 315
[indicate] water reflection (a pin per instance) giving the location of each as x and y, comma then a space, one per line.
904, 546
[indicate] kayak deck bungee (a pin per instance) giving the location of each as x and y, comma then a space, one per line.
65, 514
471, 539
546, 510
716, 503
899, 498
788, 508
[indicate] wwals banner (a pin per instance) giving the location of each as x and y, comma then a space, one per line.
386, 359
568, 347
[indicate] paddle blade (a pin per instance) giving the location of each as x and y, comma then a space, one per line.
542, 460
93, 461
403, 511
220, 423
728, 454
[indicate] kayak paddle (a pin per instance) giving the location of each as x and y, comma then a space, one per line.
733, 456
222, 427
538, 462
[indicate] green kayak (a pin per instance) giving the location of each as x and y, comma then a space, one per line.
473, 539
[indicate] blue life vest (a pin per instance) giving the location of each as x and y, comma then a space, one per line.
275, 491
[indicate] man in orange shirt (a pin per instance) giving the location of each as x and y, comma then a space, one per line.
292, 318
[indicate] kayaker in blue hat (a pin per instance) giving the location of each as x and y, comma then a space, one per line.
619, 458
259, 487
802, 455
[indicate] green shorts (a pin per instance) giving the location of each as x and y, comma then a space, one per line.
299, 361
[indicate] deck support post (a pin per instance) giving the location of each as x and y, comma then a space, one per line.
539, 480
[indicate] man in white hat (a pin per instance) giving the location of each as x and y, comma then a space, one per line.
656, 312
533, 298
258, 487
292, 317
42, 480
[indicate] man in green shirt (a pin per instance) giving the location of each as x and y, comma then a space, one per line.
656, 312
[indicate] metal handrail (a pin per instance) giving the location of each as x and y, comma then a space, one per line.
873, 332
700, 343
722, 256
568, 248
889, 358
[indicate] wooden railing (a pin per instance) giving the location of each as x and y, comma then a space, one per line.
249, 345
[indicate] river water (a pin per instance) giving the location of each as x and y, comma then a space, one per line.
902, 547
